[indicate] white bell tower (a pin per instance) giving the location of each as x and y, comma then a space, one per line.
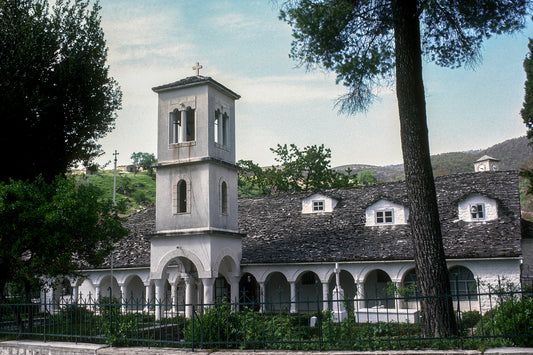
196, 185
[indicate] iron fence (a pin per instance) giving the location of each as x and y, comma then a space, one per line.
493, 317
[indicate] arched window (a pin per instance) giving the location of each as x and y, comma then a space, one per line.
182, 196
181, 126
409, 284
224, 197
222, 290
462, 283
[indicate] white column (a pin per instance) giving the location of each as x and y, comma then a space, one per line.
174, 296
234, 292
397, 295
124, 296
158, 298
208, 290
262, 296
189, 295
199, 292
220, 123
148, 294
325, 289
183, 137
97, 292
234, 284
75, 294
293, 296
360, 295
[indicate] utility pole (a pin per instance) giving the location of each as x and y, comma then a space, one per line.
114, 205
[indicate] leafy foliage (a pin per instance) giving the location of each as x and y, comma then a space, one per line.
144, 161
355, 39
306, 169
367, 43
56, 96
527, 107
52, 229
512, 318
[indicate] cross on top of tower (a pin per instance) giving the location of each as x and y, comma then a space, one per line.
197, 67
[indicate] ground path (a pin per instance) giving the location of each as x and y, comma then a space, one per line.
28, 347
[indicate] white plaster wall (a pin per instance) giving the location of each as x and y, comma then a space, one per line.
204, 251
218, 100
491, 207
307, 203
198, 214
169, 101
401, 214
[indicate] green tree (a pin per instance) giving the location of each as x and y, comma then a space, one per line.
366, 177
144, 161
306, 169
527, 107
368, 43
56, 96
48, 230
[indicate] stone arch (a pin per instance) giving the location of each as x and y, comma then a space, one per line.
277, 292
347, 284
375, 289
179, 253
308, 292
109, 287
231, 264
463, 285
135, 291
249, 291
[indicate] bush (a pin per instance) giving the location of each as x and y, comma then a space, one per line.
76, 313
469, 319
512, 319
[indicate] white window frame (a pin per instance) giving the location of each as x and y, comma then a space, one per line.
475, 211
382, 214
319, 205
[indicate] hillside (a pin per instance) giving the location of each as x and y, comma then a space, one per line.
512, 153
134, 191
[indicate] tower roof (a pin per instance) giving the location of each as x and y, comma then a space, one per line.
195, 81
486, 157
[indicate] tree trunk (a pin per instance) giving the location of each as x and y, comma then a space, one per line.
436, 308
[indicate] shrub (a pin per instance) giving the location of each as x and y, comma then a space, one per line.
469, 319
512, 319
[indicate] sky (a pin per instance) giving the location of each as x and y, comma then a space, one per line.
243, 45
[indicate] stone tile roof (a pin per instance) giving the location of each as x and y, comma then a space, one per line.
277, 232
134, 250
194, 81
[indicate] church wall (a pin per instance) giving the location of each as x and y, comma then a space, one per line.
197, 214
168, 101
230, 220
218, 100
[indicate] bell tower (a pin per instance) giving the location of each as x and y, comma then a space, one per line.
196, 183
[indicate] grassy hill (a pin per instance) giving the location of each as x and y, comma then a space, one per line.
134, 191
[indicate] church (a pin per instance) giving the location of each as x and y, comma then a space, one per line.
202, 244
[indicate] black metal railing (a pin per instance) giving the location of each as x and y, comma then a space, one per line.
494, 317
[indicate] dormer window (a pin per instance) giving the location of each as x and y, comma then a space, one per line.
318, 206
383, 217
318, 203
386, 212
477, 208
477, 212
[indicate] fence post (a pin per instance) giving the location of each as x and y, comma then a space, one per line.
192, 327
